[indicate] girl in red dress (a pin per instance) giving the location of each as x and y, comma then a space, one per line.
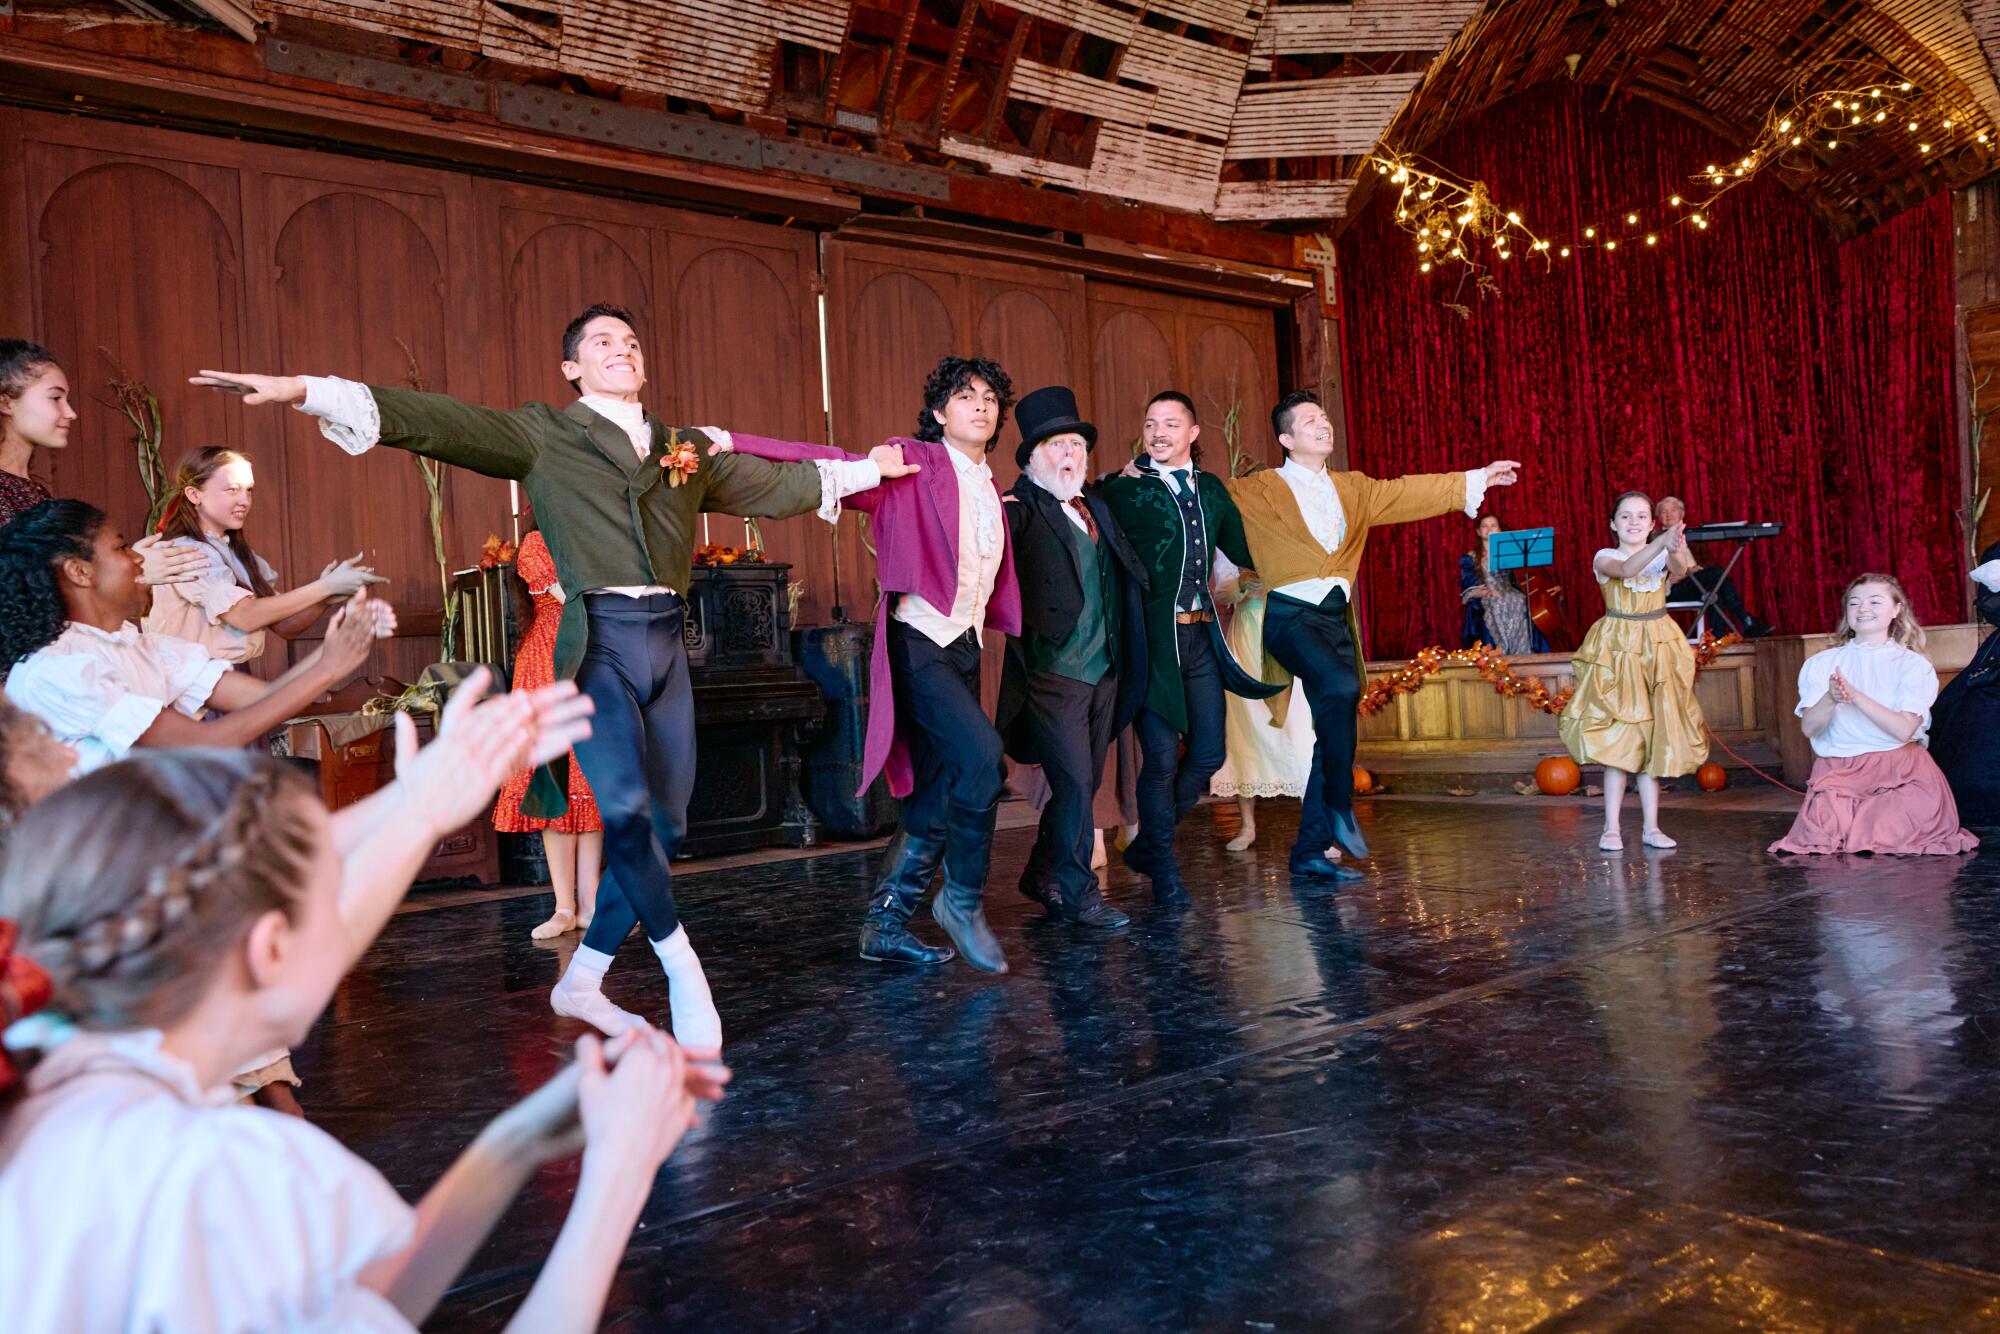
574, 844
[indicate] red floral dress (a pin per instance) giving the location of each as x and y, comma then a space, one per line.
535, 667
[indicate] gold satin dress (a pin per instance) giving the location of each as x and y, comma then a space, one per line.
1634, 707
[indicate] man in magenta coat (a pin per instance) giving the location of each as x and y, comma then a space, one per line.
946, 567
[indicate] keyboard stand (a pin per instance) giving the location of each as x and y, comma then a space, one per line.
1708, 599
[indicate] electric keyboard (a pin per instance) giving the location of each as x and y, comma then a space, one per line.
1733, 532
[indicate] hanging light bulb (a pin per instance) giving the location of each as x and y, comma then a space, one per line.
1796, 141
1874, 92
1631, 219
1923, 148
1565, 252
1423, 247
1907, 87
1610, 245
1514, 217
1784, 127
1652, 239
1881, 115
1947, 125
1589, 232
1675, 201
1913, 125
1425, 266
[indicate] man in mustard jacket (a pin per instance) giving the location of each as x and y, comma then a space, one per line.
1307, 528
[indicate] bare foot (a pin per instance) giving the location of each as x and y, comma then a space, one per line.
1098, 858
562, 923
1333, 853
1612, 841
1653, 838
1242, 842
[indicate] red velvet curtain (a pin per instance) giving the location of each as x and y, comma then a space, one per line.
1759, 369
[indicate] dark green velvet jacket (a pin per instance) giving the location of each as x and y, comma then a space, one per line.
1146, 510
611, 519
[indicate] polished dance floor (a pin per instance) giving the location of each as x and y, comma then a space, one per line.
1509, 1083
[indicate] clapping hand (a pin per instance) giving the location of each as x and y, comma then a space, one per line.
889, 460
353, 631
1676, 536
480, 742
548, 1123
344, 578
164, 562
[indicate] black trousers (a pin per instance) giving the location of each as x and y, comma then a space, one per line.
1312, 643
1172, 780
1068, 723
959, 766
639, 759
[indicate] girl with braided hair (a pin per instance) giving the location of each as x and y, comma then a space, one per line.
69, 591
219, 924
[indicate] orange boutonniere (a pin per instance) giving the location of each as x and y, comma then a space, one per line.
680, 460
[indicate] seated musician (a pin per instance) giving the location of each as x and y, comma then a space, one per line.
1496, 609
1704, 578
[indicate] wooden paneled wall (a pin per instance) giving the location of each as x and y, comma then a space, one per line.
163, 253
172, 252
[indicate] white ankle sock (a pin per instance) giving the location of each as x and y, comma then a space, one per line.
697, 1026
586, 969
580, 994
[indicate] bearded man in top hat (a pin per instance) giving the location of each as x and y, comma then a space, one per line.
1076, 674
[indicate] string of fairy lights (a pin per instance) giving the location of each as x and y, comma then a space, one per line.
1456, 225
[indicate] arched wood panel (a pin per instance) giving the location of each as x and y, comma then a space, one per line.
359, 290
1132, 358
554, 270
138, 272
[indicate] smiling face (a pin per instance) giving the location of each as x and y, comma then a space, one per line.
107, 583
41, 413
1871, 610
970, 416
1169, 433
608, 360
1311, 436
1634, 521
1059, 464
222, 503
1671, 512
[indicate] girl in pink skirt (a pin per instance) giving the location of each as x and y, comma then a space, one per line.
1866, 704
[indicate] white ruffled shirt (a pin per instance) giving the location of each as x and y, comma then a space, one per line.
349, 417
193, 611
978, 560
99, 691
138, 1200
1893, 676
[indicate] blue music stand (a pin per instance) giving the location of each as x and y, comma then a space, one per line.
1524, 548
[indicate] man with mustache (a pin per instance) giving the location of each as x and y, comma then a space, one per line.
619, 495
1307, 529
1074, 675
1177, 517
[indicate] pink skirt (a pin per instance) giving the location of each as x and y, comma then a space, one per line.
1893, 801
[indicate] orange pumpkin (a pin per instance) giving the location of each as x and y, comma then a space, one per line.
1363, 780
1558, 775
1712, 777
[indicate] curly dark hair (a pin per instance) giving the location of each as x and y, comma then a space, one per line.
953, 374
32, 610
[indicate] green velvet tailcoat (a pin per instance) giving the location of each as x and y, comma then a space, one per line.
1151, 518
610, 518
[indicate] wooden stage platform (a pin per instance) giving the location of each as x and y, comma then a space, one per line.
1458, 727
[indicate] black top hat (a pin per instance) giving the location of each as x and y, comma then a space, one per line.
1047, 412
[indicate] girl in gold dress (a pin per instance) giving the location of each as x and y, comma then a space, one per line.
1634, 710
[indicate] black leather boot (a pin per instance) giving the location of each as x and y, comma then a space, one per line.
958, 906
1086, 907
906, 873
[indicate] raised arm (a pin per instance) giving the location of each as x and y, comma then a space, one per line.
293, 612
761, 478
1610, 565
1425, 495
357, 417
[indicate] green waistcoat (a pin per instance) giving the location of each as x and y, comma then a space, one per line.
1151, 518
610, 517
1086, 655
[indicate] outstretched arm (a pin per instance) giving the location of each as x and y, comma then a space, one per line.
1424, 495
357, 417
764, 478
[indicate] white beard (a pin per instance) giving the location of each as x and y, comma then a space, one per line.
1053, 482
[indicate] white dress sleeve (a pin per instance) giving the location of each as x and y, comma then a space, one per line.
79, 696
1814, 675
190, 669
269, 1226
214, 591
1916, 685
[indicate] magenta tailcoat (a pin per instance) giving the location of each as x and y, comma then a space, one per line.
916, 551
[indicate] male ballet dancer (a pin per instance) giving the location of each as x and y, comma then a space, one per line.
1075, 674
1307, 528
619, 511
945, 564
1177, 517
